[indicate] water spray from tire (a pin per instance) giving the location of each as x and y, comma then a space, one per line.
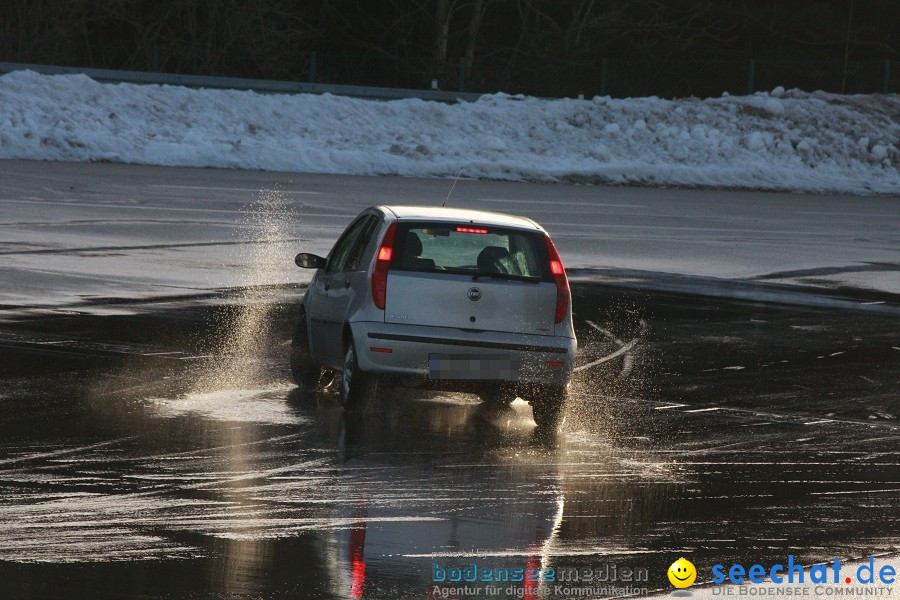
245, 332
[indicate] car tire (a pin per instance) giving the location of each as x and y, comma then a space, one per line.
306, 372
498, 396
547, 408
357, 386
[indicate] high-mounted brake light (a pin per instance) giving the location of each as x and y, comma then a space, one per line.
471, 230
559, 277
382, 262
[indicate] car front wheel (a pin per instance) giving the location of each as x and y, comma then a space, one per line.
306, 372
356, 385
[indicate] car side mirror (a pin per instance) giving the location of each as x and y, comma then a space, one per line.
306, 260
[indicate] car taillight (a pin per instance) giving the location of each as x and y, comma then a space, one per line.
559, 277
382, 262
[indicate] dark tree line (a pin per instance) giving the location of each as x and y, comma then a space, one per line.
513, 45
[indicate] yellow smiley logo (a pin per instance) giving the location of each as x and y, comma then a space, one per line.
682, 573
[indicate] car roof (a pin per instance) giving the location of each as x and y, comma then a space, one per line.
439, 213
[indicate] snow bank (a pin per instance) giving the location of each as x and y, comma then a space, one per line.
777, 140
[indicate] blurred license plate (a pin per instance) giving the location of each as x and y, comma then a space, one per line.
472, 366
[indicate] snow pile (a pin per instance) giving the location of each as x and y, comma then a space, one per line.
777, 140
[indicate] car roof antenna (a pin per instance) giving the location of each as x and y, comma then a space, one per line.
444, 203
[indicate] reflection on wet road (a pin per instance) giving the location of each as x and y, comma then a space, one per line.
726, 431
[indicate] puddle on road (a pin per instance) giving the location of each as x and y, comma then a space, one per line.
258, 490
260, 405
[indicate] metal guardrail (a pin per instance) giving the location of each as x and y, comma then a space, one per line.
236, 83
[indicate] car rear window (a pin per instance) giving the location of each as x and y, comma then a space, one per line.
468, 248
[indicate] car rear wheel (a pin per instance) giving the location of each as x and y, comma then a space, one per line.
306, 372
498, 396
548, 408
356, 385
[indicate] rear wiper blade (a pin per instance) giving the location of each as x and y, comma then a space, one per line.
506, 276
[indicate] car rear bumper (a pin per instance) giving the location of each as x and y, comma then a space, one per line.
405, 350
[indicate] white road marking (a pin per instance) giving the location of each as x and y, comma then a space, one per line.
845, 492
622, 350
606, 332
77, 204
685, 228
666, 405
850, 214
552, 203
39, 455
628, 361
233, 189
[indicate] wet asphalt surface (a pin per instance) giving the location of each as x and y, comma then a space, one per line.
70, 231
722, 430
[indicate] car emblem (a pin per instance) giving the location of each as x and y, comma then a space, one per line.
474, 294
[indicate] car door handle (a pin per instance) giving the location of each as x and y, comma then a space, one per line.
327, 285
346, 284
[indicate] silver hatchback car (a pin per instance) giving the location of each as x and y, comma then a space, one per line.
443, 298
